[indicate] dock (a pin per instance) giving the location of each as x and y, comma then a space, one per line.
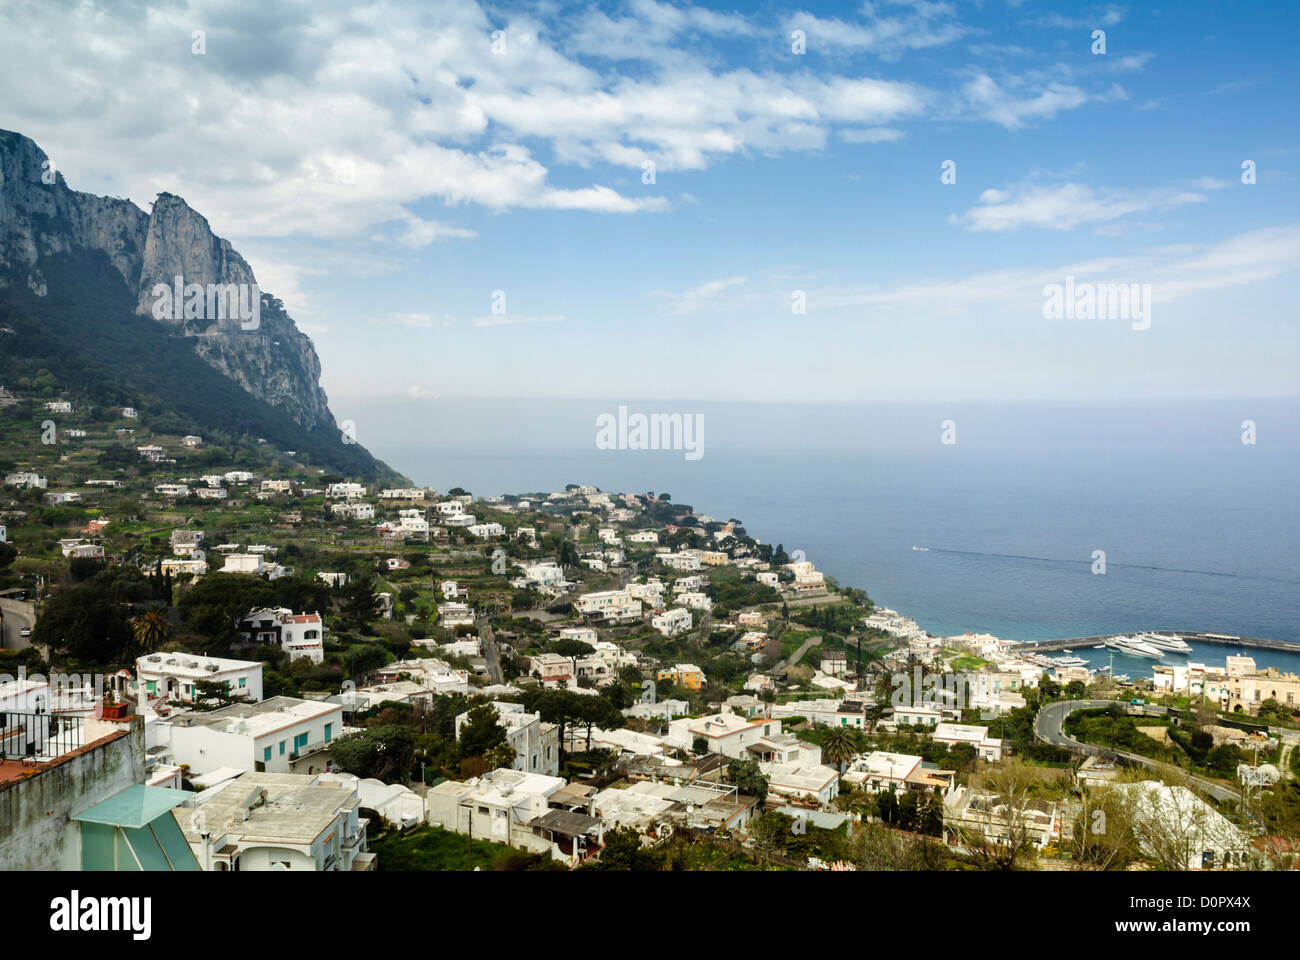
1191, 636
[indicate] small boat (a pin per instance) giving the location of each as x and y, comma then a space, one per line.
1070, 662
1100, 646
922, 549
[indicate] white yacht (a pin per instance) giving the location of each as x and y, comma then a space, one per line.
1070, 661
1134, 647
1165, 641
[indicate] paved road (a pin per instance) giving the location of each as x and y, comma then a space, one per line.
1049, 726
798, 654
17, 615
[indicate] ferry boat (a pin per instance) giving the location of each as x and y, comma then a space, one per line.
1070, 662
1165, 641
1134, 647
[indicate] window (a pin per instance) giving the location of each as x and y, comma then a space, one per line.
329, 732
151, 686
282, 748
266, 754
243, 682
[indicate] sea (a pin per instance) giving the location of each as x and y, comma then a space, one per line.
1038, 521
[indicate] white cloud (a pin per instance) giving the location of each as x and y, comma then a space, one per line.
505, 320
1174, 272
1066, 206
871, 135
708, 295
887, 30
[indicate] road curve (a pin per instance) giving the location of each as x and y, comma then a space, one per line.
1049, 727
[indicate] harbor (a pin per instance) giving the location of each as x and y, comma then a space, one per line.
1191, 636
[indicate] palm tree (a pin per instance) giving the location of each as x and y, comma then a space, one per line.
151, 628
839, 747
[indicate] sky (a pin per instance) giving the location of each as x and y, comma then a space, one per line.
661, 201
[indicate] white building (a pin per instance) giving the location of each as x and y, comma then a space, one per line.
990, 748
402, 493
301, 635
898, 773
536, 744
178, 566
581, 634
172, 676
507, 806
725, 733
616, 606
279, 735
26, 480
695, 600
268, 821
826, 713
346, 491
672, 622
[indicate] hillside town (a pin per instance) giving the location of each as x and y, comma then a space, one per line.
275, 667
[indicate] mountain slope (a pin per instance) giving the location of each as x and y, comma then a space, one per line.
79, 286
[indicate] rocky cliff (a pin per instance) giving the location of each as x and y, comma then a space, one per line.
260, 348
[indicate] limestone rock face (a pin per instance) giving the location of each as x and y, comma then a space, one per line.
268, 356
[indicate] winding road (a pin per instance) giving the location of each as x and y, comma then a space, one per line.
17, 615
1049, 726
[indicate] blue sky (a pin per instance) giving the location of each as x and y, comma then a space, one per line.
385, 171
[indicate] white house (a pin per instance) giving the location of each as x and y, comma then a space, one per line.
277, 735
614, 606
485, 531
299, 634
672, 622
179, 566
507, 806
172, 676
346, 491
536, 744
695, 600
990, 748
725, 733
263, 821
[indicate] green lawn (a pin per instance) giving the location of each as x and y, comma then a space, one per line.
433, 848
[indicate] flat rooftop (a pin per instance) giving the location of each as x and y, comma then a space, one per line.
190, 667
290, 808
256, 719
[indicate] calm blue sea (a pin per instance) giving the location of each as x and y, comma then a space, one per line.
1199, 530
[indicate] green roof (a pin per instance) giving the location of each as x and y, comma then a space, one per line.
136, 806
